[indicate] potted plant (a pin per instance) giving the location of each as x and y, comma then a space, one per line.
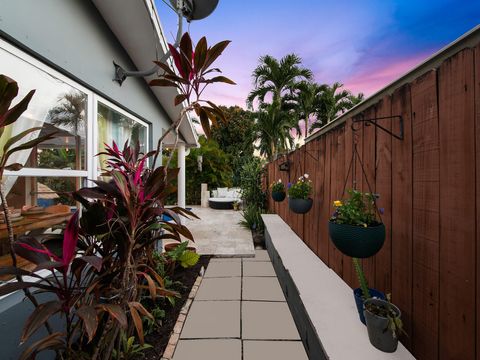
354, 228
299, 200
363, 293
384, 324
278, 190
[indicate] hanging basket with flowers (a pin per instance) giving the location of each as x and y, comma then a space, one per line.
354, 227
299, 200
277, 189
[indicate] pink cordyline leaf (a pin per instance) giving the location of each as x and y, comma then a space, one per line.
138, 173
70, 239
40, 251
176, 58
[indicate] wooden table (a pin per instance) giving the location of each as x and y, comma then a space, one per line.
34, 222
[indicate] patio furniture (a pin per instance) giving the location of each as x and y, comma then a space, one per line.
223, 198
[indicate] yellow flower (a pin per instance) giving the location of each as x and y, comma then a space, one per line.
337, 203
365, 225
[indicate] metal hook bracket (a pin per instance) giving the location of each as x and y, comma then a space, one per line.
373, 122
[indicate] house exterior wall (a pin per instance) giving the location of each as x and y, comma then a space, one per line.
73, 36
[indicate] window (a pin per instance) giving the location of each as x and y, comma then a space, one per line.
115, 125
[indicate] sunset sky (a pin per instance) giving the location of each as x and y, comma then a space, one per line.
363, 44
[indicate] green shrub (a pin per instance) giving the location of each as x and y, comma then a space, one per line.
251, 184
252, 219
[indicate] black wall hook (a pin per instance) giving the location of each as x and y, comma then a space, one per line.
373, 122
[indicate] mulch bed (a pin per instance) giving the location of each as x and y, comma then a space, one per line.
159, 338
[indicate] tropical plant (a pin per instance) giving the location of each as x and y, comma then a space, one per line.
182, 256
358, 209
307, 100
277, 78
277, 186
273, 130
70, 112
252, 218
251, 184
301, 189
333, 101
190, 78
129, 349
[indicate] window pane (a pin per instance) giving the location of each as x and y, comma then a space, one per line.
55, 107
40, 207
115, 126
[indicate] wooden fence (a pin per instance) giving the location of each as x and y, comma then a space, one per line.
429, 186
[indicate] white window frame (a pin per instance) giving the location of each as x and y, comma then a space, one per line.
96, 146
23, 56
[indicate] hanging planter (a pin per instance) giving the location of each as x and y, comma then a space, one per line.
383, 324
278, 191
354, 228
300, 206
299, 200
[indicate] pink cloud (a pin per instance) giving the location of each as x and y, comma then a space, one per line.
375, 77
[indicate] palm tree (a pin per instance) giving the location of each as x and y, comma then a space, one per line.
277, 78
71, 111
273, 131
334, 101
307, 100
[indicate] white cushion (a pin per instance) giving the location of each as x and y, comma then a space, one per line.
214, 193
222, 192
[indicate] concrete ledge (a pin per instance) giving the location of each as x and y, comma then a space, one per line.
321, 302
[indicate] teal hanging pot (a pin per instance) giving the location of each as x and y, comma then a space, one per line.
300, 206
278, 196
357, 241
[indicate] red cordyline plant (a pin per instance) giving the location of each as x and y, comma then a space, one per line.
191, 76
106, 266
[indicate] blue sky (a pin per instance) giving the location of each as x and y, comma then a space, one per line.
363, 44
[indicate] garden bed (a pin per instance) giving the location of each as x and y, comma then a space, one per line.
159, 338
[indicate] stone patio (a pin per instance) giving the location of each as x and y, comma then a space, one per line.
240, 313
218, 233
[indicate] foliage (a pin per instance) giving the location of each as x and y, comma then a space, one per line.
308, 99
277, 186
151, 324
192, 67
216, 170
107, 254
236, 137
273, 131
252, 219
186, 258
129, 349
334, 101
251, 184
277, 78
358, 209
361, 279
301, 189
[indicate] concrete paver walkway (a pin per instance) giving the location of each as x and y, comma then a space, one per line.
240, 313
218, 233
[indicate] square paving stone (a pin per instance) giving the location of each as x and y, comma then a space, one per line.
262, 288
224, 269
258, 268
278, 350
208, 349
212, 319
267, 321
219, 289
225, 259
260, 255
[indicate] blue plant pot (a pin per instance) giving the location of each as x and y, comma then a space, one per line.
357, 294
278, 196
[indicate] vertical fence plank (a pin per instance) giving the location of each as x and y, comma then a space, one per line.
334, 256
383, 186
457, 210
310, 223
401, 249
368, 179
348, 274
426, 217
320, 191
477, 157
324, 242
